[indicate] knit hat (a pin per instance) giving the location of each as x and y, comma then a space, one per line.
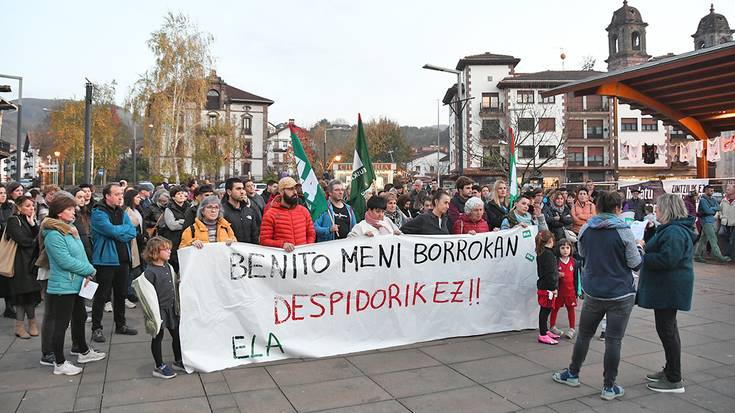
286, 182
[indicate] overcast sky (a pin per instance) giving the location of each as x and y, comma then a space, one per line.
326, 59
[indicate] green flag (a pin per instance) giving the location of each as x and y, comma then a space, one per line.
362, 172
313, 194
513, 178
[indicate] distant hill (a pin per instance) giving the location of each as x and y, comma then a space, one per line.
34, 117
425, 135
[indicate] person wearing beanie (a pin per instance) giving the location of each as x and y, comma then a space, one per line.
286, 224
208, 226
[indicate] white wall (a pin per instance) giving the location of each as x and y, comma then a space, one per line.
424, 164
537, 110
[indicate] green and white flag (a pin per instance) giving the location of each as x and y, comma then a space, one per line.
313, 194
362, 173
513, 178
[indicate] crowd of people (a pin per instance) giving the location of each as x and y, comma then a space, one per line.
127, 242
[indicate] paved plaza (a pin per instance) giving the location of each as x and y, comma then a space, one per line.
491, 373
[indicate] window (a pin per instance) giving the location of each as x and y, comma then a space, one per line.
595, 156
575, 177
550, 99
212, 100
490, 156
526, 124
490, 129
247, 150
597, 176
525, 96
547, 125
575, 104
212, 119
547, 152
649, 124
432, 169
678, 133
247, 125
490, 101
635, 40
615, 44
628, 124
575, 156
526, 152
575, 129
594, 129
595, 103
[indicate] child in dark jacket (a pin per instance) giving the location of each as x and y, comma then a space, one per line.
547, 284
568, 288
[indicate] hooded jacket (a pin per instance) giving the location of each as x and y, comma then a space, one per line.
283, 224
326, 220
111, 229
610, 256
68, 264
667, 274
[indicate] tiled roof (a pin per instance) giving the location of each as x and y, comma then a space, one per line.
236, 94
547, 78
487, 58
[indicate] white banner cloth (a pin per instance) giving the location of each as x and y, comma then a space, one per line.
245, 303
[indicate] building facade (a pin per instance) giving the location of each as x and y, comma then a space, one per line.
427, 164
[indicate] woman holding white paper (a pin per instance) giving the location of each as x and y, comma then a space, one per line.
69, 269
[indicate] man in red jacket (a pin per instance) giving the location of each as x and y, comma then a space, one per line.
286, 224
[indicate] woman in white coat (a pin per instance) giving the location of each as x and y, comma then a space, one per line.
375, 222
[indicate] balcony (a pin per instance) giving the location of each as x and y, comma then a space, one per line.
491, 111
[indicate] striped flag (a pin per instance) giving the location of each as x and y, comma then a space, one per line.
316, 202
362, 173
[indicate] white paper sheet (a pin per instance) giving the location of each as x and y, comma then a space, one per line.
638, 228
88, 290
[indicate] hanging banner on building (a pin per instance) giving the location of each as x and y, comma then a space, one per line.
245, 304
650, 190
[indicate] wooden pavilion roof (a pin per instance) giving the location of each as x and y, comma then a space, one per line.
694, 91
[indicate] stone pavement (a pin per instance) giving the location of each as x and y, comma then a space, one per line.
491, 373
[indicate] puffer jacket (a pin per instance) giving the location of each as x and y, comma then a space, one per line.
282, 224
67, 259
198, 231
463, 225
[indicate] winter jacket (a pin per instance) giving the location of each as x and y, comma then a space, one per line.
190, 215
283, 224
707, 209
691, 206
581, 214
667, 274
557, 220
257, 202
548, 270
154, 216
134, 250
198, 231
463, 225
111, 229
326, 220
427, 224
456, 207
68, 264
495, 214
610, 255
398, 218
173, 219
362, 228
24, 269
727, 212
6, 211
244, 221
638, 206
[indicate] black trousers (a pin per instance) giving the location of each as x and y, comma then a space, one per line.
62, 308
113, 279
543, 320
668, 332
156, 346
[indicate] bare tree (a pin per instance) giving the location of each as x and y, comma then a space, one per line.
588, 63
539, 140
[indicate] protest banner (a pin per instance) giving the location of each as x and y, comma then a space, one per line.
245, 303
650, 190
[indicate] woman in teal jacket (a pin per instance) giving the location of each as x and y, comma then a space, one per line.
666, 283
69, 268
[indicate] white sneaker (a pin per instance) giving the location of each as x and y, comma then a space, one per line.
88, 308
108, 307
89, 319
92, 355
129, 304
67, 369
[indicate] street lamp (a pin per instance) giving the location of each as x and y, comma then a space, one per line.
457, 111
324, 154
337, 158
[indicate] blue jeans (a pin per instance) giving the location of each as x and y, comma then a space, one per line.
593, 310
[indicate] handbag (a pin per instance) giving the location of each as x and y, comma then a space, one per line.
8, 248
152, 232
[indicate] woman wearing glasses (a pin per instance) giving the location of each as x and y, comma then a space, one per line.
209, 226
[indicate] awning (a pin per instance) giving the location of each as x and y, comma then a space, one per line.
694, 90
